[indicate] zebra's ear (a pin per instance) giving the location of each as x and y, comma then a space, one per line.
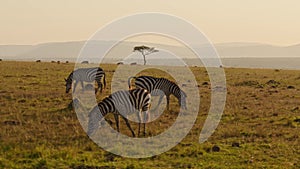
65, 79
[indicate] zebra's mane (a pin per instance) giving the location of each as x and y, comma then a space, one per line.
70, 77
169, 81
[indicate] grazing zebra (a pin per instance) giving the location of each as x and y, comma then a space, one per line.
124, 103
160, 87
86, 75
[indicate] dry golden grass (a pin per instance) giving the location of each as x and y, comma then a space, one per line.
261, 117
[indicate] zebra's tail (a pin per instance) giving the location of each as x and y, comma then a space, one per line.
129, 81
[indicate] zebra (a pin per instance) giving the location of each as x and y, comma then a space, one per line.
124, 103
86, 75
160, 87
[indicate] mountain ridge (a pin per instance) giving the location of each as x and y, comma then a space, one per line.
71, 49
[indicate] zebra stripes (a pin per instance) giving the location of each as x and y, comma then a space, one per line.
122, 103
160, 87
86, 75
126, 102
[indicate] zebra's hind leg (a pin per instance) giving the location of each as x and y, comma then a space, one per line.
128, 125
145, 120
168, 102
139, 116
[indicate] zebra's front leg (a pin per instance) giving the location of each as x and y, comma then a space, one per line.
81, 82
128, 125
75, 85
161, 96
117, 122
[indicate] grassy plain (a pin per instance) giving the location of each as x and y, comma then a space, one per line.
259, 128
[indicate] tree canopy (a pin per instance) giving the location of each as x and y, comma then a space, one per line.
145, 50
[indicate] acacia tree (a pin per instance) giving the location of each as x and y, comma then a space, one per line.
145, 50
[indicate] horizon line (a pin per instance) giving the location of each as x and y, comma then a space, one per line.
217, 43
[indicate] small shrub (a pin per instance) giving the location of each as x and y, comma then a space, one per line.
33, 155
250, 83
297, 120
273, 83
21, 101
296, 109
235, 144
293, 122
109, 156
215, 148
82, 166
40, 164
11, 122
130, 166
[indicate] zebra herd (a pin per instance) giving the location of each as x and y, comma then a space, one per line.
125, 102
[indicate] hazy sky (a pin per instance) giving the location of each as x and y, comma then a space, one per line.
38, 21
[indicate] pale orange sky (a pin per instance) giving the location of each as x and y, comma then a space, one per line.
39, 21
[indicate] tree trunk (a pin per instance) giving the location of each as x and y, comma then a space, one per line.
144, 59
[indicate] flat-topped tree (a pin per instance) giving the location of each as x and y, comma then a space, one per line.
145, 50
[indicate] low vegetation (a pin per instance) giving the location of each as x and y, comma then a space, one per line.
259, 128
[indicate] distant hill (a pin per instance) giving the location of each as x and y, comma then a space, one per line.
48, 51
70, 50
257, 50
14, 50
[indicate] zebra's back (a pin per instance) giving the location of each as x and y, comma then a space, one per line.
160, 87
146, 82
88, 74
152, 83
130, 101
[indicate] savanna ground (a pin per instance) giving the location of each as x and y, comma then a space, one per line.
259, 127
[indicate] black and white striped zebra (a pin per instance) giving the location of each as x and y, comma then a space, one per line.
160, 87
124, 103
86, 75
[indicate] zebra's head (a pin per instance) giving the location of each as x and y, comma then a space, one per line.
182, 100
94, 119
68, 84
